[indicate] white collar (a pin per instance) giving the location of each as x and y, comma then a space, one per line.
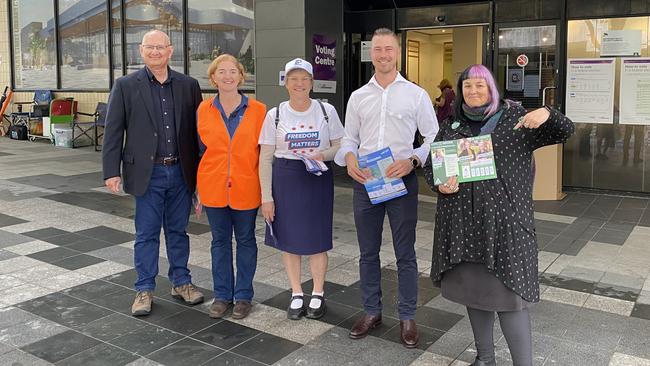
398, 78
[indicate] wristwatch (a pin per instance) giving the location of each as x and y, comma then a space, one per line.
414, 162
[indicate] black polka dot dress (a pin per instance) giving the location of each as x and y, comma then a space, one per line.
491, 222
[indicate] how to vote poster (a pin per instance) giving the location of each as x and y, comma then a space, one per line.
634, 99
590, 90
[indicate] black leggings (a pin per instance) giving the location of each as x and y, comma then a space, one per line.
515, 326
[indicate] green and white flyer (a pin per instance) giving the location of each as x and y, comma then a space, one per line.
471, 159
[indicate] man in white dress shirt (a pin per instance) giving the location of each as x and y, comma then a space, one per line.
386, 112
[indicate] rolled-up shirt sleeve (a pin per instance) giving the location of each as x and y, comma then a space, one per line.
427, 124
350, 141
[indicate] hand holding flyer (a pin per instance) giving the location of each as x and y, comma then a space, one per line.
380, 188
471, 159
313, 166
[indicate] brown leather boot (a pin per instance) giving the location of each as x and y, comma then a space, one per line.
364, 324
409, 333
218, 309
241, 309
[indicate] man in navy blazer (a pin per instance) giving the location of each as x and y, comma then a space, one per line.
155, 108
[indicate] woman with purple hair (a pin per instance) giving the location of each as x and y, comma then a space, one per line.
484, 246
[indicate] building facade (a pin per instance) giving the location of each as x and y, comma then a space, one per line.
535, 48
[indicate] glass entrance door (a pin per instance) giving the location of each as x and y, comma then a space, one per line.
527, 64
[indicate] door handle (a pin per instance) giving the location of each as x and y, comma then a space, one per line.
544, 93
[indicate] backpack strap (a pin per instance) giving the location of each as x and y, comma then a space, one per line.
322, 108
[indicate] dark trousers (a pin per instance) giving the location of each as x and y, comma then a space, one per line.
369, 220
167, 204
227, 288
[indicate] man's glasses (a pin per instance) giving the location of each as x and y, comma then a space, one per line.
157, 48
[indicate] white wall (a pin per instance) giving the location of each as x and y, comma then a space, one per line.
431, 61
463, 55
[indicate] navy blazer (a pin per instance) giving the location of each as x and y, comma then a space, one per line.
130, 113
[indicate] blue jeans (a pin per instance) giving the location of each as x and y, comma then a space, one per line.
222, 222
167, 204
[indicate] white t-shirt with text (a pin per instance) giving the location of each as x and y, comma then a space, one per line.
304, 133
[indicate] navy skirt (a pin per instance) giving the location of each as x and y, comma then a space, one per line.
303, 209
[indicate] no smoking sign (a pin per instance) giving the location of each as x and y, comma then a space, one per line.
522, 60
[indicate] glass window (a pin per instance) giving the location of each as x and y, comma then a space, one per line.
34, 44
116, 28
143, 16
527, 84
214, 29
598, 155
83, 44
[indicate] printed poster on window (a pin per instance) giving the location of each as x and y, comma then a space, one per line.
324, 63
590, 90
515, 82
621, 43
634, 99
365, 51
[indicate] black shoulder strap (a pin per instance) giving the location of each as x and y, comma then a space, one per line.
322, 108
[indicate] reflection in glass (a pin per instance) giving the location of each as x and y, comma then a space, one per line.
141, 16
526, 84
216, 27
608, 155
83, 46
116, 28
34, 44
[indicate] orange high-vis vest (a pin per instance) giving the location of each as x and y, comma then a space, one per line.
228, 172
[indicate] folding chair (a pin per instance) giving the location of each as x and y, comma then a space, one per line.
39, 107
84, 128
100, 121
5, 119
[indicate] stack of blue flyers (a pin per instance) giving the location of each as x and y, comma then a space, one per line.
313, 166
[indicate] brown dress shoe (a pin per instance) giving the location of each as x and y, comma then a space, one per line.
187, 293
364, 324
218, 309
142, 303
409, 333
241, 309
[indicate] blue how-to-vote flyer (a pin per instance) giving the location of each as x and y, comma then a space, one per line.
379, 187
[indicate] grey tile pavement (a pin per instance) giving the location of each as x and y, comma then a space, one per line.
603, 281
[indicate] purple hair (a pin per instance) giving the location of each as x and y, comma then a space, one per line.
478, 72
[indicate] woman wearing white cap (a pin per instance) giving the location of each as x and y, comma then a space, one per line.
297, 204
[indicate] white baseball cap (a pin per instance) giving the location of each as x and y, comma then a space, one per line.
298, 63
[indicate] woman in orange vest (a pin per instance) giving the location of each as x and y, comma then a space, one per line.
228, 185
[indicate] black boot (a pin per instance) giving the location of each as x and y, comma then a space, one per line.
478, 362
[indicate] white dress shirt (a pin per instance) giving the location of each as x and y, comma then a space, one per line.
377, 118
